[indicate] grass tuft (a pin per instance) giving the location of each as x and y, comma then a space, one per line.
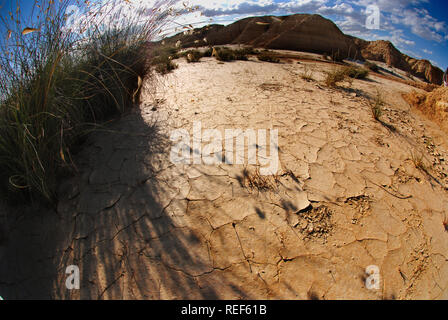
376, 106
334, 77
60, 82
225, 54
193, 56
268, 56
418, 161
356, 72
307, 74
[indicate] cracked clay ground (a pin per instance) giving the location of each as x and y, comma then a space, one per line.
347, 196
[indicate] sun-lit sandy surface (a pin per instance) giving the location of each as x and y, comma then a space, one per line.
347, 196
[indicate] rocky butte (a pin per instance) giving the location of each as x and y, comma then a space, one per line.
309, 33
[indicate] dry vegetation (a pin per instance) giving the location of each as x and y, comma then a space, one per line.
418, 161
59, 83
254, 181
376, 106
225, 54
268, 56
307, 74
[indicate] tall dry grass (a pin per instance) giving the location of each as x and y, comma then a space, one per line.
60, 81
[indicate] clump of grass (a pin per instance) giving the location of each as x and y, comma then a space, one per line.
208, 53
307, 74
334, 77
255, 181
164, 65
162, 59
268, 56
58, 84
241, 54
248, 51
193, 56
371, 66
376, 106
225, 54
418, 161
356, 72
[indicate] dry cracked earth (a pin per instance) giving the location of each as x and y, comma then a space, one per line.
349, 194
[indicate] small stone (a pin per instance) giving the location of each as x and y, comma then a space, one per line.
310, 228
302, 202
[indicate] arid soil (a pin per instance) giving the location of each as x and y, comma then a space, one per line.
351, 192
433, 104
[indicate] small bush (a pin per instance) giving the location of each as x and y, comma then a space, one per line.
268, 56
226, 54
164, 65
193, 56
334, 77
248, 50
208, 53
356, 72
371, 66
163, 59
240, 54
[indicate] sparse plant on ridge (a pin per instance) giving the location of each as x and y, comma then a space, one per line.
307, 74
376, 106
334, 77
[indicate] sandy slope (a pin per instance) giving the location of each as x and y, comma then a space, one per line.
140, 227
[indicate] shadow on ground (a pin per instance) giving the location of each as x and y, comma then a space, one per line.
122, 219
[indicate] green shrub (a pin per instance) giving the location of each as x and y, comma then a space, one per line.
240, 54
208, 53
371, 66
356, 72
164, 65
193, 56
248, 51
162, 58
268, 56
226, 54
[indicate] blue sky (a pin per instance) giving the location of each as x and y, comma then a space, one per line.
418, 28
